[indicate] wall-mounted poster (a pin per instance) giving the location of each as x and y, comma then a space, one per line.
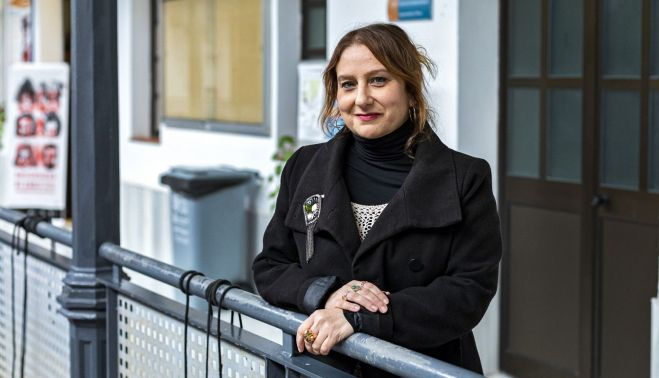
36, 136
310, 101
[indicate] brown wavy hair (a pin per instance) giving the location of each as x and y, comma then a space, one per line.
401, 57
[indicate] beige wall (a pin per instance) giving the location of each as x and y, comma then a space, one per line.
48, 31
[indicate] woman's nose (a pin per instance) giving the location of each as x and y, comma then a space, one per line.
363, 96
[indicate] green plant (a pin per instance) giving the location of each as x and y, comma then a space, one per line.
285, 148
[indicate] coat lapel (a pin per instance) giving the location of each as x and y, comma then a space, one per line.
428, 198
324, 175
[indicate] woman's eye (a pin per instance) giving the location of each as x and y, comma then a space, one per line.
379, 80
347, 84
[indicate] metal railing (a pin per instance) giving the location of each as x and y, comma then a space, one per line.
145, 329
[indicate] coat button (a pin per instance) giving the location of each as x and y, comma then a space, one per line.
415, 265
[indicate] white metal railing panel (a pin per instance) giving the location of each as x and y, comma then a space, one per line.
151, 345
47, 331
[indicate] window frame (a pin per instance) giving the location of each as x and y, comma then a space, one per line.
156, 69
309, 53
157, 94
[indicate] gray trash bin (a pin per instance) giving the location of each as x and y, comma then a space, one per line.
209, 220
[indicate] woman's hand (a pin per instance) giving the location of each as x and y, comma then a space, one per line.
322, 330
358, 293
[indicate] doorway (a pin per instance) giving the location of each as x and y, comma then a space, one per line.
579, 168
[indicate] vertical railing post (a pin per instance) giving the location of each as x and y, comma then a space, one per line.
95, 173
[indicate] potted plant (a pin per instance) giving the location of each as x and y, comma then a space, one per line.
285, 148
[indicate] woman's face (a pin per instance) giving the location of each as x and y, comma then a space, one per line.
25, 126
49, 157
25, 103
372, 101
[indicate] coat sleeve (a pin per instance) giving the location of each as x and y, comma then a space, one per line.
278, 274
454, 303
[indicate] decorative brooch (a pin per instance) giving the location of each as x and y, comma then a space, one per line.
311, 210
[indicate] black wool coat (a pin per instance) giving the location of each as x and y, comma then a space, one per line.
436, 247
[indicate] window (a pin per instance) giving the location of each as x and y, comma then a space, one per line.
313, 29
211, 64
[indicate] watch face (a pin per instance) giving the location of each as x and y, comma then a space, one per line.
311, 209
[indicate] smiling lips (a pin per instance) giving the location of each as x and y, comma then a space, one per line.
368, 116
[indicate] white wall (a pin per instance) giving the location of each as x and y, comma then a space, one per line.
48, 31
478, 79
439, 36
477, 100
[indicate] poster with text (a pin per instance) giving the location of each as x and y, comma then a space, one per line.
36, 136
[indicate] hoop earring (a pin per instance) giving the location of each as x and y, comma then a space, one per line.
412, 113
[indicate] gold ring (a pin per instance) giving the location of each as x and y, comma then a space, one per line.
356, 288
309, 336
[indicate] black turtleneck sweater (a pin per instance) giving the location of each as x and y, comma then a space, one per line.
375, 169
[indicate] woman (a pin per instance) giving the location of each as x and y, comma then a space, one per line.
383, 229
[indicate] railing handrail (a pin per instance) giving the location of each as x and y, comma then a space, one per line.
44, 229
368, 349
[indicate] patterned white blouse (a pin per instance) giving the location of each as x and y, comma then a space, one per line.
366, 215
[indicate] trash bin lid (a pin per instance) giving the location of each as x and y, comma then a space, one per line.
197, 182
